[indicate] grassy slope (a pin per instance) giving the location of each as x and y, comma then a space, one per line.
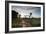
36, 22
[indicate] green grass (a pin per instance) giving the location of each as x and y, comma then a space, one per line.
35, 22
15, 22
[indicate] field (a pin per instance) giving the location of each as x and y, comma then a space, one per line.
36, 22
26, 22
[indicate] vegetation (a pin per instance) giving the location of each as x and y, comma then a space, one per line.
36, 22
33, 22
28, 22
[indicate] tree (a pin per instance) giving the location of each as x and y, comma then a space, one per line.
30, 15
19, 16
14, 14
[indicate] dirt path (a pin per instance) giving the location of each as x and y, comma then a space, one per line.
25, 24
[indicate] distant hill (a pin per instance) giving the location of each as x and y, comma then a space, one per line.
36, 17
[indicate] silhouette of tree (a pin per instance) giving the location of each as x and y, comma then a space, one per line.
30, 15
14, 14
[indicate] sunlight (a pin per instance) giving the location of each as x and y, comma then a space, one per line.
22, 16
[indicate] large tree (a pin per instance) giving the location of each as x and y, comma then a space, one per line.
14, 14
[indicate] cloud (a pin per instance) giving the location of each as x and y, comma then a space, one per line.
26, 10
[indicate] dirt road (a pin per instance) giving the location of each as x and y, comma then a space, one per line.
25, 23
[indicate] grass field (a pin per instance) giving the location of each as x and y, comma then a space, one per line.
36, 22
33, 22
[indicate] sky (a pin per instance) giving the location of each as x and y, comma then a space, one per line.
26, 10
